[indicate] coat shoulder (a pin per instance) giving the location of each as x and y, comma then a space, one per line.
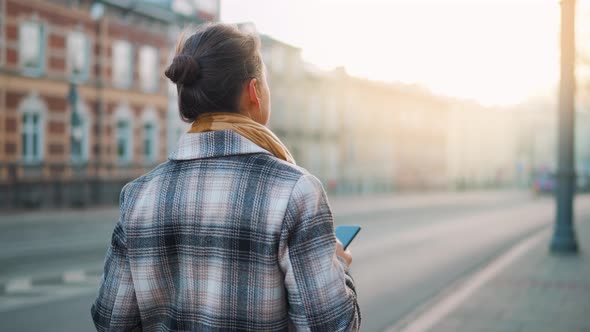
271, 169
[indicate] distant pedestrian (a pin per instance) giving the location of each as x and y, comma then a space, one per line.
228, 234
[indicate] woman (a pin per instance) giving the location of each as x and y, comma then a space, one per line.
228, 234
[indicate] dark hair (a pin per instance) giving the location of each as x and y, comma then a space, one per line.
210, 68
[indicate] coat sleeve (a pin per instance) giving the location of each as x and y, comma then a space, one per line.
321, 292
115, 307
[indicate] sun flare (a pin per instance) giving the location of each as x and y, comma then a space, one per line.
499, 52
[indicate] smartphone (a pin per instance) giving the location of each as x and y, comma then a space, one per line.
346, 234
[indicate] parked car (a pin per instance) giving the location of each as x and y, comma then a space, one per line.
583, 183
544, 183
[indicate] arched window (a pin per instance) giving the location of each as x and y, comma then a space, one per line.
150, 135
175, 126
79, 133
124, 134
32, 111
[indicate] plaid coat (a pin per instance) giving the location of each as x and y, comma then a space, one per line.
224, 236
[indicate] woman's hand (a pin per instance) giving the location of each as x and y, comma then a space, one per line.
345, 254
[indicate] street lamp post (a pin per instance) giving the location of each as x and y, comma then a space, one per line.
75, 123
97, 11
564, 237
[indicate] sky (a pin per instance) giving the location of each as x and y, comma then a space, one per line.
497, 52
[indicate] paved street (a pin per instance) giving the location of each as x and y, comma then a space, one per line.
411, 248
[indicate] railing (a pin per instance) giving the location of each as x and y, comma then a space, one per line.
40, 185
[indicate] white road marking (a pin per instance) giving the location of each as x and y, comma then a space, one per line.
24, 292
47, 294
74, 276
18, 285
424, 318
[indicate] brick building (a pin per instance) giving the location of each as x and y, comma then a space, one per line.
83, 101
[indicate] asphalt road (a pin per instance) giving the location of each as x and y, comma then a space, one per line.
411, 248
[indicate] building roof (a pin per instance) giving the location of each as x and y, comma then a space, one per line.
156, 9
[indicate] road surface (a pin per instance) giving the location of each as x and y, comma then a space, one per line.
411, 248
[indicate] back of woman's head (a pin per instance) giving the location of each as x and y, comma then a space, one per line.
210, 68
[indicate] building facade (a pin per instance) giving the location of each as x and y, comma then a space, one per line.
486, 147
83, 100
355, 135
85, 107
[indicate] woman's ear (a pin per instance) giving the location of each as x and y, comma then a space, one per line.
253, 93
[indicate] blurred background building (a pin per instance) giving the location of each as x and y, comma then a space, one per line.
82, 97
84, 108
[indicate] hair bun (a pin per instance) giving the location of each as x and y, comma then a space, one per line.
183, 70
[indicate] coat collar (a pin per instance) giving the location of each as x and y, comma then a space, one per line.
213, 144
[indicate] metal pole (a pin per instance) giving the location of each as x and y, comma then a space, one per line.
99, 97
98, 134
564, 237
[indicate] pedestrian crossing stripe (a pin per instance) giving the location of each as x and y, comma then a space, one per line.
26, 291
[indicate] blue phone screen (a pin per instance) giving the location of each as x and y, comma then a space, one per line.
346, 233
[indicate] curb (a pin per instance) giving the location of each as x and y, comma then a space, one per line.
425, 317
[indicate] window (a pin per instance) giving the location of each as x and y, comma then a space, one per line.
279, 109
30, 136
31, 48
122, 64
148, 68
332, 118
79, 134
315, 159
78, 49
123, 141
207, 6
278, 59
315, 114
183, 7
148, 141
32, 110
333, 158
266, 53
351, 151
124, 135
352, 107
150, 136
175, 127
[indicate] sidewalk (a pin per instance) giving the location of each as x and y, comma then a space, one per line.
536, 292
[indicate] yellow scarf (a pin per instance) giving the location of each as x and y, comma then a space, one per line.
244, 126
